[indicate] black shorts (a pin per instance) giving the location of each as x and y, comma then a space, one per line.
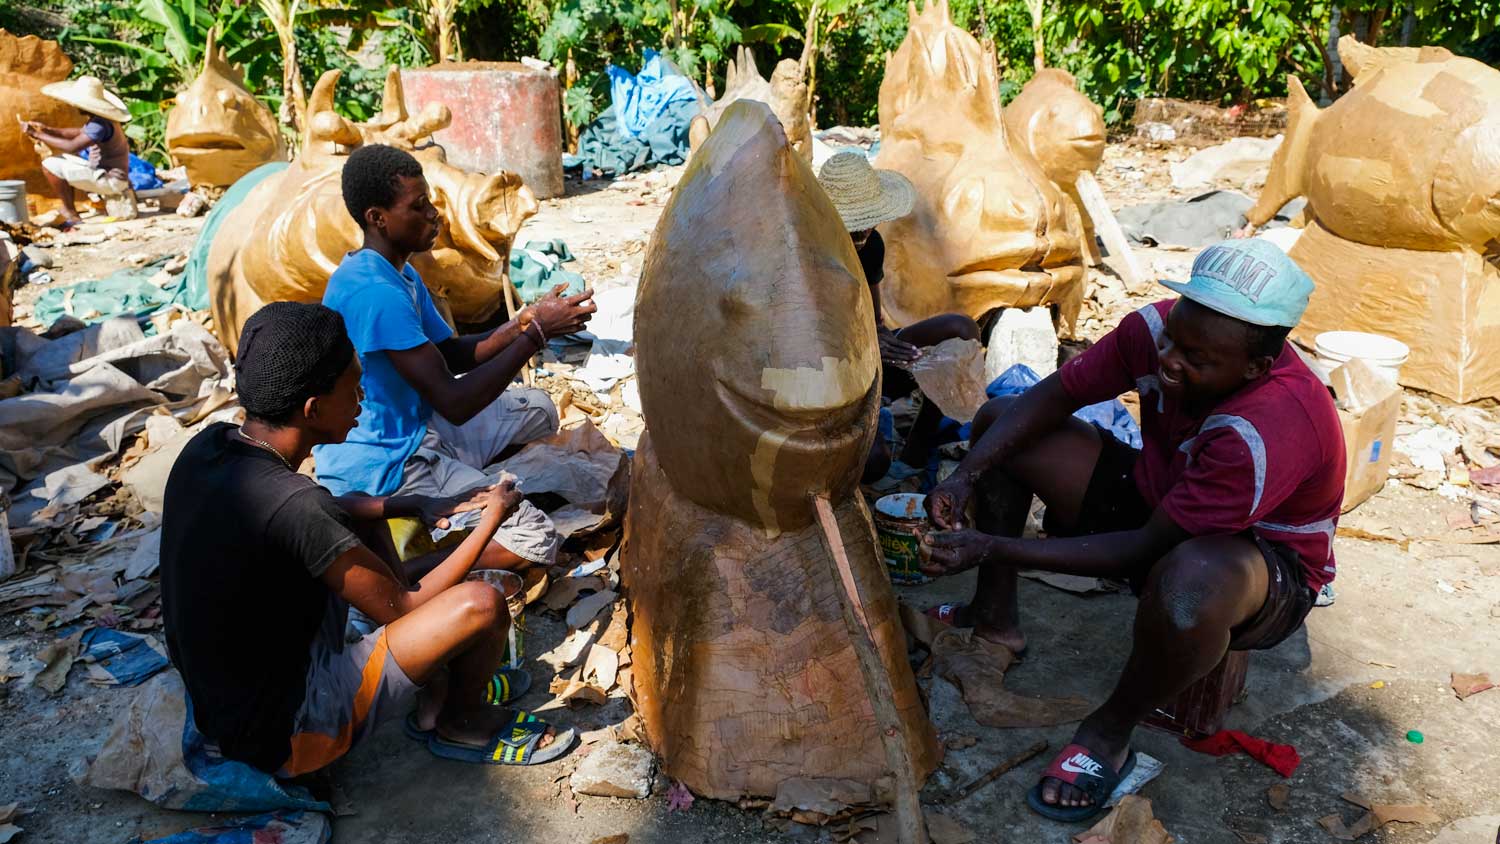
1113, 503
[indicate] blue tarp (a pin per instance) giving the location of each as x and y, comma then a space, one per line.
647, 120
297, 827
640, 99
121, 659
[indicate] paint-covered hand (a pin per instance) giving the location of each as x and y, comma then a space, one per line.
895, 351
949, 501
559, 315
501, 500
435, 510
950, 552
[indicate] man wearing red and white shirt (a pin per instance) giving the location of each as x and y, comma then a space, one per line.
1223, 522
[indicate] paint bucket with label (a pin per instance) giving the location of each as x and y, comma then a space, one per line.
900, 520
13, 201
513, 588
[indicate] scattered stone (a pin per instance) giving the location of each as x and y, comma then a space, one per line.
615, 769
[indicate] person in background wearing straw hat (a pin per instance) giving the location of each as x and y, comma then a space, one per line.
107, 169
1222, 523
865, 198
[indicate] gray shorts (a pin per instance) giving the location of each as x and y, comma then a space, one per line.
351, 689
451, 459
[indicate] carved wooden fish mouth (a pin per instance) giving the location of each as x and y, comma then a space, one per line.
810, 429
206, 142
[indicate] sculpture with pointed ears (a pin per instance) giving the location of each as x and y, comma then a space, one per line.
292, 230
786, 94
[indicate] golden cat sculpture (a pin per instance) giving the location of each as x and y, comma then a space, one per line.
292, 230
744, 674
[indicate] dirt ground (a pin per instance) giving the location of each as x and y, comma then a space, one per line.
1345, 691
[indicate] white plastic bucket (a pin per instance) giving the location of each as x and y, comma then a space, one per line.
1384, 354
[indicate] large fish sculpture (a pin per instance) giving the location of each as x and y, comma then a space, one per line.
759, 377
1402, 179
217, 130
989, 230
290, 232
26, 64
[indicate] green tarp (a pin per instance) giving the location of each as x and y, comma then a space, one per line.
537, 267
193, 292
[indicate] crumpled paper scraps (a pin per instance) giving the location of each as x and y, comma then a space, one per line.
1131, 822
1465, 685
951, 375
976, 666
1376, 816
58, 658
821, 800
882, 829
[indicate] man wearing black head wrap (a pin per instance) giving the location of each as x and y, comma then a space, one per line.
260, 566
423, 429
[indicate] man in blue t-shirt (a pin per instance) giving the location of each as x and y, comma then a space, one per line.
422, 429
106, 170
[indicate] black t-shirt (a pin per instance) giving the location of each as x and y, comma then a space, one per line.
244, 540
872, 258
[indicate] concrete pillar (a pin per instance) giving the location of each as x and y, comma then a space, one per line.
506, 116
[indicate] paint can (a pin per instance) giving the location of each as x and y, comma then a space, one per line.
13, 201
512, 586
900, 521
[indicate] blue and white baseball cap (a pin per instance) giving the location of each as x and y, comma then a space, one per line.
1250, 280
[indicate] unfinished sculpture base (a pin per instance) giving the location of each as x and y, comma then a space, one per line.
26, 64
744, 674
1444, 305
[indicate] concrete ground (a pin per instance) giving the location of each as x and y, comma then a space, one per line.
1404, 618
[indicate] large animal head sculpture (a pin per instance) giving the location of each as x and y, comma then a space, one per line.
989, 228
26, 64
1409, 159
768, 393
218, 130
786, 94
291, 231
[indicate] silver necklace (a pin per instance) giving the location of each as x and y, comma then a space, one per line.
268, 447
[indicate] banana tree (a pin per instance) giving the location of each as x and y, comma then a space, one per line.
813, 12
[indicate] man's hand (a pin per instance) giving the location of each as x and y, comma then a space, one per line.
32, 129
435, 511
951, 552
894, 350
558, 314
501, 500
949, 500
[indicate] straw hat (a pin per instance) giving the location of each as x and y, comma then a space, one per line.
87, 93
865, 197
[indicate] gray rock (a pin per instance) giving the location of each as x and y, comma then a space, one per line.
615, 769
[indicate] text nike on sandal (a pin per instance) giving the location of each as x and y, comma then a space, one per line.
1077, 767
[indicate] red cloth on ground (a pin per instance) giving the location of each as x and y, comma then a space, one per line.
1281, 758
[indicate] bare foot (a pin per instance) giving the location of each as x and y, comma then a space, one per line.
1011, 638
481, 729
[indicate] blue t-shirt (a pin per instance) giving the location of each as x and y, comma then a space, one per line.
384, 311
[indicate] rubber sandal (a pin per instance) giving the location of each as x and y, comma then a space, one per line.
511, 683
514, 744
506, 685
1077, 767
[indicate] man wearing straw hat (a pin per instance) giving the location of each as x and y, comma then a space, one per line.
865, 198
107, 169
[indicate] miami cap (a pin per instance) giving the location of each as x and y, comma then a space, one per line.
1250, 280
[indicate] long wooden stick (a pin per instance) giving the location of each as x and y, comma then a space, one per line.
910, 827
997, 772
1097, 207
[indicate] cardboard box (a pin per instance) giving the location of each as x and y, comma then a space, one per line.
1368, 406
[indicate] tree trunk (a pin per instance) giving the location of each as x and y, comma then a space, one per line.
1038, 10
676, 24
1377, 20
809, 60
1408, 25
1333, 68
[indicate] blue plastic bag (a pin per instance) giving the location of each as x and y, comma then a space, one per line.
1110, 416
